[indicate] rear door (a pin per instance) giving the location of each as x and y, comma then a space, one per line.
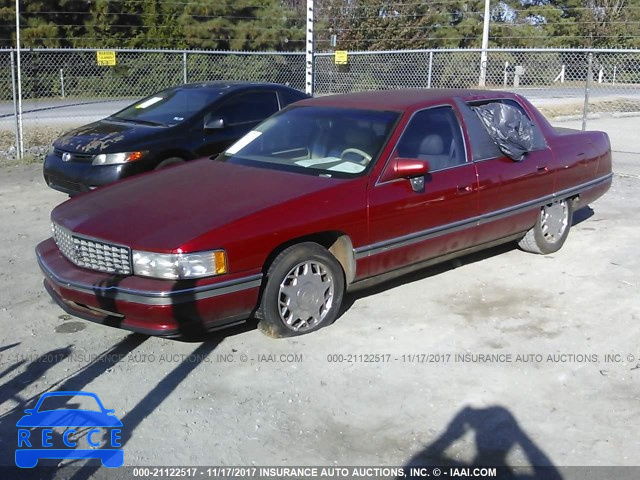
408, 226
507, 188
240, 113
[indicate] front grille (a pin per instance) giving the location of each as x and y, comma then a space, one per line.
73, 156
66, 184
92, 254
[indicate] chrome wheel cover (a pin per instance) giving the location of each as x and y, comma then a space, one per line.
305, 296
554, 220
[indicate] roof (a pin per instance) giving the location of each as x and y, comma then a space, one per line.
228, 85
400, 100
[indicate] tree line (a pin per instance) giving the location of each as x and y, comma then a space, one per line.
341, 24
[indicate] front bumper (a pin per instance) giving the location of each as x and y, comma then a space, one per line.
81, 176
145, 305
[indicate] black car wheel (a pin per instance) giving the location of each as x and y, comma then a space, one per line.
169, 162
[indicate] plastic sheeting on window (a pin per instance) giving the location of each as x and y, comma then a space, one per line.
512, 131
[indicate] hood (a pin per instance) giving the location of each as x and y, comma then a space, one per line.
105, 136
161, 211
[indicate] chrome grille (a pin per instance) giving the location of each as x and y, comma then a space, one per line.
92, 254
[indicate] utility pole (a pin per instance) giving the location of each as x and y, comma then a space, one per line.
485, 44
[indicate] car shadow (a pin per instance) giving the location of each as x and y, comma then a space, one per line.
581, 215
351, 297
496, 434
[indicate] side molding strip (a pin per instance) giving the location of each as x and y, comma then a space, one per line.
434, 232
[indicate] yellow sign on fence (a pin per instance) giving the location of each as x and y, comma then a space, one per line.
106, 58
341, 57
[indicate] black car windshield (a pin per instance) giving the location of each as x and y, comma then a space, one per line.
169, 107
335, 142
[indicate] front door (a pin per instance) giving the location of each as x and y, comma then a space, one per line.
409, 226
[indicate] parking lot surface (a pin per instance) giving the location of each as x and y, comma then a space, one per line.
503, 356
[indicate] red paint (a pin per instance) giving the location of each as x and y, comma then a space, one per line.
252, 212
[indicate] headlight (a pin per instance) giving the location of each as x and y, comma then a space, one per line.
115, 158
179, 265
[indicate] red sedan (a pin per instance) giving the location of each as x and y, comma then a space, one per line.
330, 194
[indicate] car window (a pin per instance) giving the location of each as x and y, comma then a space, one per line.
434, 134
482, 145
333, 142
287, 97
249, 107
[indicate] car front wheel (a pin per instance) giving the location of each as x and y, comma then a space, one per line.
169, 162
304, 290
551, 228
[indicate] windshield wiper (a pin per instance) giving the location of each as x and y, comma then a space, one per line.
142, 122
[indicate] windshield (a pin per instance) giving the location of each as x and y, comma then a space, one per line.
169, 107
315, 140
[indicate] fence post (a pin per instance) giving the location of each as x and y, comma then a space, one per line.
185, 73
587, 84
430, 68
15, 105
309, 50
62, 82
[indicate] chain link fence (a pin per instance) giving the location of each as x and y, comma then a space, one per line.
555, 80
52, 81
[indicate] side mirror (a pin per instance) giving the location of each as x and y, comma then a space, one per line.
410, 168
29, 411
214, 124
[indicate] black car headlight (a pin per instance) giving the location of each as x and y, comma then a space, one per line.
117, 158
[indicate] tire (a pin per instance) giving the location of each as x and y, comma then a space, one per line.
551, 228
303, 293
169, 162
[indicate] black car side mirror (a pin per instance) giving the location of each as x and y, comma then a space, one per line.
214, 124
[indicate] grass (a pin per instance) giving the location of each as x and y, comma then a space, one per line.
620, 105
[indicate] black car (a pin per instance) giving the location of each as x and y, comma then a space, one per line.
167, 128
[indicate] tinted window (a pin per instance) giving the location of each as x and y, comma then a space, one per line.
287, 97
434, 135
168, 107
248, 108
315, 140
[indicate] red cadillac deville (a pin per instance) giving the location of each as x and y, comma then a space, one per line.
330, 194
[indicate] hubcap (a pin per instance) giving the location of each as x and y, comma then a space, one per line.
305, 296
554, 219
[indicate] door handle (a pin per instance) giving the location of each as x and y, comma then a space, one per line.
466, 189
542, 169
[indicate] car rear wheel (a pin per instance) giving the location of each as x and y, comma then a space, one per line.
304, 290
551, 228
169, 162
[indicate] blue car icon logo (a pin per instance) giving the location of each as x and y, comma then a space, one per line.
72, 424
